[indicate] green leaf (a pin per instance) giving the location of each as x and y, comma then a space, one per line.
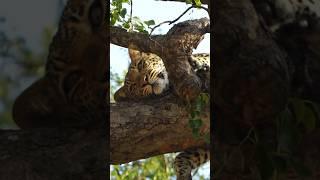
195, 123
207, 138
123, 12
150, 22
205, 98
126, 25
193, 114
195, 133
306, 113
198, 2
189, 1
113, 21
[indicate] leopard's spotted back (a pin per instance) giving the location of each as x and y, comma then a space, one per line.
74, 85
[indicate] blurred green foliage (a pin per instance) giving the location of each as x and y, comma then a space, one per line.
120, 16
19, 67
152, 168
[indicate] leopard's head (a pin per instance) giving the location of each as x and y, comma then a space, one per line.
146, 76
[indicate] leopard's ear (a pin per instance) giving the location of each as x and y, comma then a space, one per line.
134, 54
120, 94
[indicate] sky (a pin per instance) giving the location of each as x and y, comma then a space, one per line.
27, 20
23, 19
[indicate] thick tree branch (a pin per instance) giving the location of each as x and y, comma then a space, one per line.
252, 77
252, 85
138, 130
153, 127
143, 42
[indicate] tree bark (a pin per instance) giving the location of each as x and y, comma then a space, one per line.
253, 81
140, 130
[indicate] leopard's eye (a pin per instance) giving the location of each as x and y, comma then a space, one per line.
140, 65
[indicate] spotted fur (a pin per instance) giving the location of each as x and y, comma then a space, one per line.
186, 161
147, 75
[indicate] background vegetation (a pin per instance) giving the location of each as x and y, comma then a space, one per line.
19, 67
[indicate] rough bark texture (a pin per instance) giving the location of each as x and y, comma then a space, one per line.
144, 129
254, 78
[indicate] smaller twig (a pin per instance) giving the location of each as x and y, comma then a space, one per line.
175, 20
130, 19
158, 26
182, 15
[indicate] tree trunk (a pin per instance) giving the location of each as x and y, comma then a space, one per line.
253, 82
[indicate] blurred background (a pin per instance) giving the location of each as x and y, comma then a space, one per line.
26, 29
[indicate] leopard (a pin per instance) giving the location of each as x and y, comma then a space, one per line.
72, 92
278, 13
147, 77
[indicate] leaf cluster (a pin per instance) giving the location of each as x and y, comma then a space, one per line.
119, 16
197, 108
